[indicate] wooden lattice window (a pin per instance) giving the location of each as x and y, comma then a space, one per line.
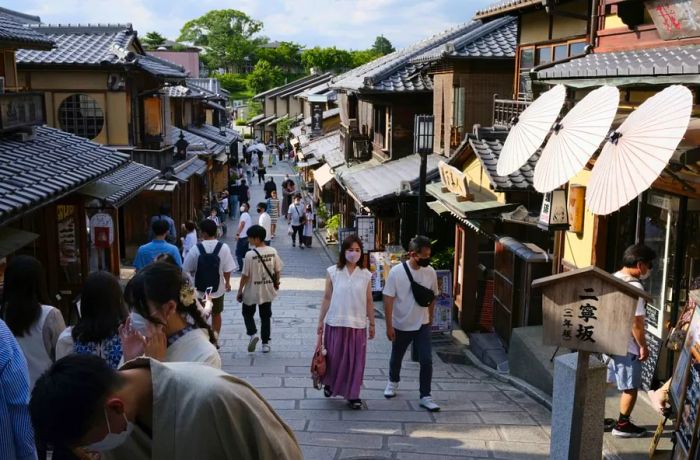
81, 115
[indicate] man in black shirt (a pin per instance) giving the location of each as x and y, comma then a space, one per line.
269, 187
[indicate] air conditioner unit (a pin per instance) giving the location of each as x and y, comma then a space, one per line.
405, 187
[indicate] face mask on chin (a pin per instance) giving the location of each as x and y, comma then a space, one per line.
645, 276
112, 440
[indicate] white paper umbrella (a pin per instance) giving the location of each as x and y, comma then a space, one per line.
259, 146
530, 130
637, 152
576, 138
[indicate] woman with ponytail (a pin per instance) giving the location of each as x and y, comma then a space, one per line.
164, 307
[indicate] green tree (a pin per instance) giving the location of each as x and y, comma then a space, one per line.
264, 76
283, 127
229, 36
153, 40
361, 57
382, 46
287, 56
232, 82
326, 59
254, 108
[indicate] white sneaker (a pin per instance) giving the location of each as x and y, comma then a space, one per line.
265, 348
390, 390
253, 342
428, 403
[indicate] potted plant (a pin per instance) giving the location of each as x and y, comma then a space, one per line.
332, 226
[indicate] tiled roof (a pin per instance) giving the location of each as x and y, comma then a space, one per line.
52, 164
197, 144
131, 178
212, 85
488, 152
160, 67
96, 45
307, 81
183, 170
504, 6
395, 72
326, 148
180, 91
676, 60
495, 39
212, 133
371, 184
14, 32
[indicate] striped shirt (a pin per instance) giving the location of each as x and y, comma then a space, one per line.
16, 434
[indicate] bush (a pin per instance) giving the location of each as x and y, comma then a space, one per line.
240, 122
247, 135
232, 82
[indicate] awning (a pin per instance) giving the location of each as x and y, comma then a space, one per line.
99, 190
265, 120
480, 207
214, 105
12, 239
438, 208
255, 119
323, 175
194, 166
278, 119
306, 164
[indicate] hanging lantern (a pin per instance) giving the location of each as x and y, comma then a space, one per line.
554, 214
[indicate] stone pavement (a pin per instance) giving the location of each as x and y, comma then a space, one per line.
480, 418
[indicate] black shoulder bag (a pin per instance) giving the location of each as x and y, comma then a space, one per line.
275, 281
423, 296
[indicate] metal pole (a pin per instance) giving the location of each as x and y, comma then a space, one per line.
421, 193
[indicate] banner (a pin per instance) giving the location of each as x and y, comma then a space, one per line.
316, 118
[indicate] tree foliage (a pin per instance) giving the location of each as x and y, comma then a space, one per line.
227, 35
361, 57
326, 59
153, 40
264, 76
382, 46
232, 82
286, 56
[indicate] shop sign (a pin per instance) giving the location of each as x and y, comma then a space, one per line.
586, 310
19, 110
366, 231
442, 316
316, 118
553, 214
675, 18
454, 181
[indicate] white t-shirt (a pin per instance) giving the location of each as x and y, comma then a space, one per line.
189, 241
265, 221
348, 306
226, 264
247, 223
407, 314
295, 212
260, 288
632, 346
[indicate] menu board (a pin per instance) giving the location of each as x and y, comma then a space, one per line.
366, 231
681, 371
688, 414
649, 365
442, 317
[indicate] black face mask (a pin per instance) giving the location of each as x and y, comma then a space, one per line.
423, 262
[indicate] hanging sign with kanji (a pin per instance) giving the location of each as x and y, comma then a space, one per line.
588, 310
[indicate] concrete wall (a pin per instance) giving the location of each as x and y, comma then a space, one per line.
58, 85
187, 59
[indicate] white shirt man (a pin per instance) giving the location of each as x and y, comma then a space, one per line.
407, 322
265, 221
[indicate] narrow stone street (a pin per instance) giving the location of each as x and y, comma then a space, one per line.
480, 417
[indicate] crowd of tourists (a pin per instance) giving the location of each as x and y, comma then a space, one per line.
144, 359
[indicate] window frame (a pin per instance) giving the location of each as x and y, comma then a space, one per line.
68, 120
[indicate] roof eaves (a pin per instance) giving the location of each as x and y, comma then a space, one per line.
505, 7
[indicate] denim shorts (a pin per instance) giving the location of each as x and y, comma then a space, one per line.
625, 371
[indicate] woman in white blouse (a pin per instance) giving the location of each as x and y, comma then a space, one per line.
346, 310
190, 239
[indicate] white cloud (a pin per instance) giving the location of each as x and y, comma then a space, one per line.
351, 24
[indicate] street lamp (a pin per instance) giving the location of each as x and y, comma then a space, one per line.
423, 135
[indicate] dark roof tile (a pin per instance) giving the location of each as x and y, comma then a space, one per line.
488, 151
47, 166
15, 31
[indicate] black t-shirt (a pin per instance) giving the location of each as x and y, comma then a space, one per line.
233, 189
243, 193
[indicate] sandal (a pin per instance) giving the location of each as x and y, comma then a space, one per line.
355, 404
327, 392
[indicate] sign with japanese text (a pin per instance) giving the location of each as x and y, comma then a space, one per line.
675, 18
454, 180
442, 317
588, 310
316, 118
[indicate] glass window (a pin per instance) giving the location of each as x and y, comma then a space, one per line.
527, 58
80, 114
561, 52
577, 48
544, 55
458, 109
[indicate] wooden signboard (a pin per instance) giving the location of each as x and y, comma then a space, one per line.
455, 181
675, 18
588, 310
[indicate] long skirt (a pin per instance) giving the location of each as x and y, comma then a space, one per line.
345, 360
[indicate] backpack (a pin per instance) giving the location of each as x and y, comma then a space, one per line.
207, 275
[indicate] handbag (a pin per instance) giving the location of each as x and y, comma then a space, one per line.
423, 296
318, 363
275, 282
302, 217
290, 230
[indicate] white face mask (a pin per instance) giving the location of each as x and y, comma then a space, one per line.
645, 276
352, 256
242, 208
140, 323
112, 440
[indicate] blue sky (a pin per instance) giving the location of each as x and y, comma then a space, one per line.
351, 24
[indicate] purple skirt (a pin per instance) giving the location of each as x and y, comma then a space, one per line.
345, 360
